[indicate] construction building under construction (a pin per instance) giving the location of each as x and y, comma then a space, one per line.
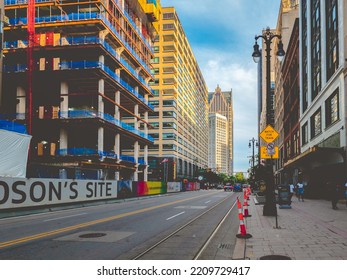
72, 70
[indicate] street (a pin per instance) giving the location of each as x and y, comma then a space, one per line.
126, 229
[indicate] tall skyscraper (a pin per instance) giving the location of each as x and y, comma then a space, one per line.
179, 123
221, 131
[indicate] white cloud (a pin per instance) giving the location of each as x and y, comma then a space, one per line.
222, 37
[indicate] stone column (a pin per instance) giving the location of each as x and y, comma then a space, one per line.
100, 111
64, 113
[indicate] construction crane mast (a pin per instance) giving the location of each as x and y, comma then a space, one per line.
30, 62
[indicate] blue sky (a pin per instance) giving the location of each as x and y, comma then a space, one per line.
221, 34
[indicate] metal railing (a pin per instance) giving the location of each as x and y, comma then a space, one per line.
127, 158
85, 152
81, 114
12, 126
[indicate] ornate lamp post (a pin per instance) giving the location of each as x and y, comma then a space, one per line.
267, 36
253, 142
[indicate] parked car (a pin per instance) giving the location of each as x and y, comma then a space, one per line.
228, 187
237, 187
220, 187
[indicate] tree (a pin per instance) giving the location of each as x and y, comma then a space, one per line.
240, 178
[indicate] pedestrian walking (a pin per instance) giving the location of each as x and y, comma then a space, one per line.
291, 191
346, 193
300, 191
335, 194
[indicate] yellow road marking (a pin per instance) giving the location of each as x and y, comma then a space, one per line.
91, 223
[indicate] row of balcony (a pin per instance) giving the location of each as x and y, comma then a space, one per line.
88, 114
82, 114
100, 154
19, 2
78, 17
84, 40
16, 2
76, 65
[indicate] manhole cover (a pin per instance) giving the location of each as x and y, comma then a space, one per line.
92, 235
275, 257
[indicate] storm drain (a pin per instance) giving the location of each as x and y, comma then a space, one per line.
275, 257
225, 246
92, 235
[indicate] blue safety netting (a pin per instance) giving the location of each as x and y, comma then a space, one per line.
13, 126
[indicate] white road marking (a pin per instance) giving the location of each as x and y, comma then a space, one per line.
175, 216
65, 217
208, 201
191, 207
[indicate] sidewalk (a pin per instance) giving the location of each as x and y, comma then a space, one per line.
310, 230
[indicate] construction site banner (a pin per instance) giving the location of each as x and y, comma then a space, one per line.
174, 187
14, 148
192, 186
18, 193
150, 188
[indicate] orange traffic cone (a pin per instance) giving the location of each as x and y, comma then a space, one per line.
243, 233
245, 210
245, 196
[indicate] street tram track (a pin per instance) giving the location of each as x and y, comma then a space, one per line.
190, 223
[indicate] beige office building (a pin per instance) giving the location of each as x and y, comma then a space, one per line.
220, 157
179, 124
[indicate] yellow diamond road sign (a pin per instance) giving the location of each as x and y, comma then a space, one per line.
269, 134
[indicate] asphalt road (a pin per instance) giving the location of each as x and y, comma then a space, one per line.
124, 229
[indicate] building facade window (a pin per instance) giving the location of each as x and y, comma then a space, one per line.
168, 26
304, 57
288, 150
169, 147
169, 125
154, 124
169, 114
155, 82
304, 133
153, 147
168, 16
332, 109
332, 39
153, 114
169, 136
155, 71
154, 135
316, 123
154, 102
316, 48
155, 60
169, 103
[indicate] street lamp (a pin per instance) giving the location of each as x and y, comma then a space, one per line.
251, 144
267, 36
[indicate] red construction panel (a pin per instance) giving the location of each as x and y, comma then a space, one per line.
49, 38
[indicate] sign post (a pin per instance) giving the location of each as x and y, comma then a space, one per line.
270, 151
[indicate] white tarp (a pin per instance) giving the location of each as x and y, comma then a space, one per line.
14, 148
